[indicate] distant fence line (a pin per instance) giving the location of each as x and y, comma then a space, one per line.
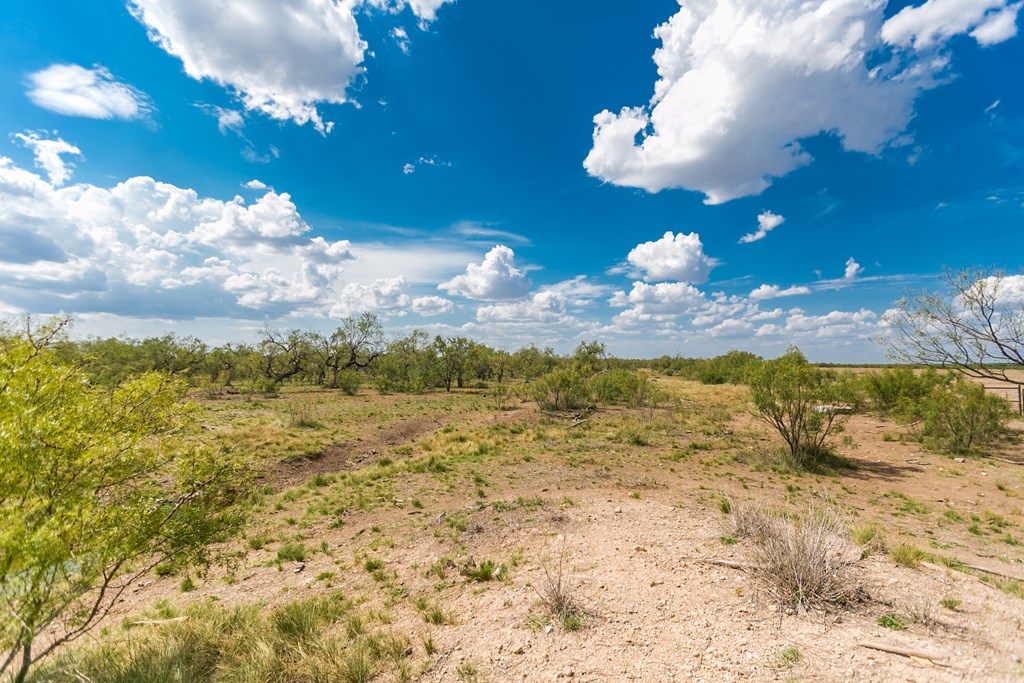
1013, 394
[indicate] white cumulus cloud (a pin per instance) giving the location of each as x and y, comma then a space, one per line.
146, 248
95, 93
853, 270
49, 155
766, 222
389, 296
987, 21
425, 10
281, 57
544, 306
774, 292
428, 306
673, 257
742, 82
496, 277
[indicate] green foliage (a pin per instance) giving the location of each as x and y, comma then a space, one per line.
408, 366
94, 492
348, 381
962, 417
633, 388
907, 555
950, 603
731, 368
566, 389
901, 391
797, 400
892, 621
789, 656
249, 644
263, 386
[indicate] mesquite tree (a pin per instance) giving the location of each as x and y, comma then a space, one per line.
96, 488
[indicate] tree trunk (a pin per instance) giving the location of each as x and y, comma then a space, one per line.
26, 662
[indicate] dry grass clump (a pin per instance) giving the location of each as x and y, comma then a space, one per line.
302, 641
803, 561
558, 593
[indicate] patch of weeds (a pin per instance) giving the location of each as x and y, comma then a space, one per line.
468, 671
165, 569
487, 570
435, 615
725, 505
952, 515
892, 621
558, 593
292, 552
728, 540
950, 603
907, 555
908, 504
355, 625
788, 656
864, 534
429, 646
187, 585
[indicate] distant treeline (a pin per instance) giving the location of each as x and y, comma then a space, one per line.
359, 352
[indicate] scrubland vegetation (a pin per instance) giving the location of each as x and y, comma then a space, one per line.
354, 508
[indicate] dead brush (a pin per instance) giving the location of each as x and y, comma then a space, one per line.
805, 561
747, 520
558, 593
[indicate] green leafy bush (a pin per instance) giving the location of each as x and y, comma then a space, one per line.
565, 389
901, 391
803, 403
633, 388
349, 381
731, 368
962, 417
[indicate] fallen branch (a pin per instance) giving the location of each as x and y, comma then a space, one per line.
912, 654
157, 622
726, 563
991, 572
1006, 460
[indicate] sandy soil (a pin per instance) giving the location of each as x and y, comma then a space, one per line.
634, 527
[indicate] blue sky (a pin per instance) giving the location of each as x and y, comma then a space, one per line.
665, 177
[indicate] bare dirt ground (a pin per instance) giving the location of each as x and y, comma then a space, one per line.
630, 507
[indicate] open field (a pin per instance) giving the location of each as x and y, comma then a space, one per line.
447, 525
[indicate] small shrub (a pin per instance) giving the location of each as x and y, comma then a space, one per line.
558, 593
806, 561
300, 416
801, 402
349, 381
748, 520
267, 388
963, 417
900, 390
565, 389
